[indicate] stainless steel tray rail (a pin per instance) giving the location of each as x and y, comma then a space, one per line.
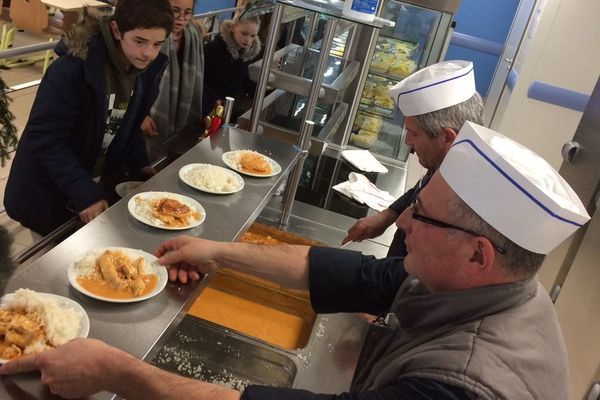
139, 327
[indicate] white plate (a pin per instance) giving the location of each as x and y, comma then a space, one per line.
185, 169
229, 160
124, 188
150, 264
131, 206
63, 302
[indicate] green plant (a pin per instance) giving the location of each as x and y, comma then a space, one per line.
8, 132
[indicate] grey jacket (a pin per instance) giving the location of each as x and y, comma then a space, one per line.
499, 342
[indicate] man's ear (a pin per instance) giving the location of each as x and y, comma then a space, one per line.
482, 255
114, 28
449, 135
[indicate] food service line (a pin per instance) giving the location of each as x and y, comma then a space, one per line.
136, 327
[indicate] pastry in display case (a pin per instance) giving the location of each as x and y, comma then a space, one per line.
365, 129
416, 40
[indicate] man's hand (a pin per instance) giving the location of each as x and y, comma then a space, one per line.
86, 366
187, 257
93, 211
79, 368
370, 227
148, 127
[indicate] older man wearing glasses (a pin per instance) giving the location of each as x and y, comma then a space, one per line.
469, 321
435, 101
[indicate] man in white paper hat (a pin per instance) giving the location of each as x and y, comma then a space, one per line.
435, 101
470, 321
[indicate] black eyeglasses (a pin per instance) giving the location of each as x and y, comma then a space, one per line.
442, 224
185, 15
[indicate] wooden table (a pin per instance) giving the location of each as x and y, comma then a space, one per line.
71, 9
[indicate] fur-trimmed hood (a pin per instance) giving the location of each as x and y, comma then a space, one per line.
233, 48
77, 39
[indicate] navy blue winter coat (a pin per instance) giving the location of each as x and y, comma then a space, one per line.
51, 175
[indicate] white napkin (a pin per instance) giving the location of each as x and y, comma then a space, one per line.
364, 160
359, 188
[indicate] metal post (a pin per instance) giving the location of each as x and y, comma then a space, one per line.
228, 110
312, 27
307, 125
259, 96
296, 173
315, 88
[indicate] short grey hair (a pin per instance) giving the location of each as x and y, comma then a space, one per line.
518, 262
452, 117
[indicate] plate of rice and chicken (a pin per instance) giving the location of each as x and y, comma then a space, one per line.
33, 322
118, 275
166, 210
251, 163
211, 178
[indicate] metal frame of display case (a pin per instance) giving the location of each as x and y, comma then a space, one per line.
299, 85
341, 95
430, 46
347, 87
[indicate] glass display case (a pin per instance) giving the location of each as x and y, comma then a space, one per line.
334, 71
418, 39
312, 40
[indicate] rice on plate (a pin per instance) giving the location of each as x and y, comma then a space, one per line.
32, 322
211, 178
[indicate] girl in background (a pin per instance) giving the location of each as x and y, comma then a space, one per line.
227, 59
179, 103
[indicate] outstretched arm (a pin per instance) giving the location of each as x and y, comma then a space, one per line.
86, 366
284, 264
371, 227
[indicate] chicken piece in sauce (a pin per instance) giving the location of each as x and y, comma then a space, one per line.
121, 273
18, 330
172, 212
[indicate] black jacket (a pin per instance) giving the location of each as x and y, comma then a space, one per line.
226, 67
51, 175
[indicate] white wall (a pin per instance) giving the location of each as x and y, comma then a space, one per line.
564, 52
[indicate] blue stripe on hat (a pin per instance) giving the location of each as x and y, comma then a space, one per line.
437, 83
514, 183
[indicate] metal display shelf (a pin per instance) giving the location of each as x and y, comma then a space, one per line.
296, 78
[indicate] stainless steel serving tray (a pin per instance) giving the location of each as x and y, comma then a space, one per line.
201, 350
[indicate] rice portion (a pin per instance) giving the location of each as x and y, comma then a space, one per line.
61, 324
213, 178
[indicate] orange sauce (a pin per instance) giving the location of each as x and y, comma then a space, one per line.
102, 288
262, 321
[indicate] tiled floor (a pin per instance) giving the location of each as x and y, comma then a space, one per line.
20, 107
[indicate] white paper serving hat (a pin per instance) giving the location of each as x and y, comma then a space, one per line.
435, 87
512, 188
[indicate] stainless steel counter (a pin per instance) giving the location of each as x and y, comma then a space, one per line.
136, 327
143, 328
